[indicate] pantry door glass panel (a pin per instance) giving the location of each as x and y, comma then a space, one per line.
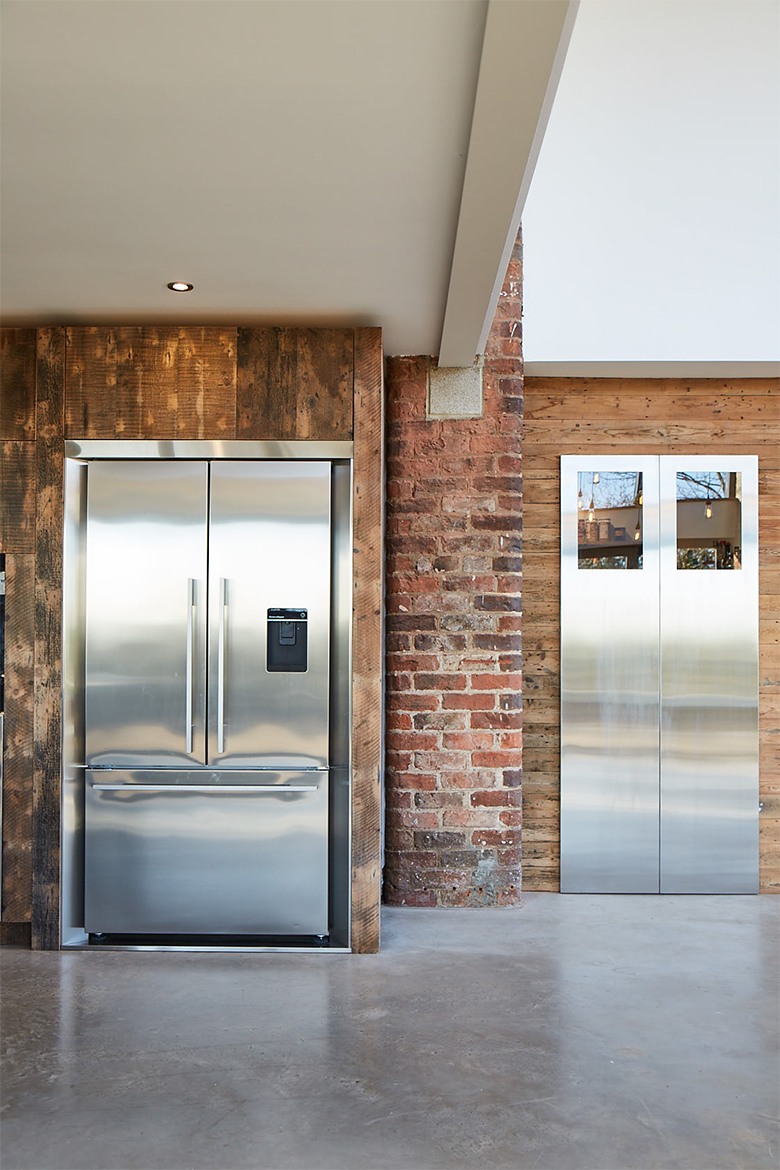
709, 674
269, 614
146, 613
609, 674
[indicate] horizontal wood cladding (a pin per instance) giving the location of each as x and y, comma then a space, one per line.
295, 383
573, 416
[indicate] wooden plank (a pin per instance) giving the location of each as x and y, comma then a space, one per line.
18, 734
263, 382
656, 387
295, 383
50, 382
325, 406
91, 383
15, 934
630, 434
367, 639
146, 381
17, 383
48, 694
17, 496
650, 408
206, 395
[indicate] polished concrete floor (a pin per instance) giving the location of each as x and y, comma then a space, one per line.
580, 1032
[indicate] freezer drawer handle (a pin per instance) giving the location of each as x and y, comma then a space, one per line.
188, 714
223, 603
205, 787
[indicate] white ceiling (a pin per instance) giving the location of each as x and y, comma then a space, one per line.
296, 160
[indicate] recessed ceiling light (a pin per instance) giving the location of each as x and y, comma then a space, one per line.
180, 286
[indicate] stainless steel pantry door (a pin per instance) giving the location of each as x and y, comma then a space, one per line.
269, 554
145, 613
709, 674
609, 674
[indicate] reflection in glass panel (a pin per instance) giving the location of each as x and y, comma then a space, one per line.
609, 520
709, 520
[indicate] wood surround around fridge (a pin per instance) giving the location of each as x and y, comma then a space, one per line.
168, 382
578, 416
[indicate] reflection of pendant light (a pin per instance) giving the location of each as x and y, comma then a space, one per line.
580, 504
639, 498
708, 510
595, 477
637, 532
590, 509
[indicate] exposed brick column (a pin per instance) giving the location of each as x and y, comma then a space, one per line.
454, 721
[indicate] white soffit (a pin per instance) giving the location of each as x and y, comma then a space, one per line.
299, 161
522, 57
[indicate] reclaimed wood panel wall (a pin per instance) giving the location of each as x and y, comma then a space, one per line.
167, 382
574, 416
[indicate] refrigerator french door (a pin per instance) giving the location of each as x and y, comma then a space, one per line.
206, 697
659, 674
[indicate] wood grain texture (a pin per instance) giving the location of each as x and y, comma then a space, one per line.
50, 382
367, 640
650, 416
15, 934
18, 735
295, 383
151, 382
206, 394
17, 496
48, 695
17, 383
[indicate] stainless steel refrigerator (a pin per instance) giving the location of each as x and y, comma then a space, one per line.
208, 590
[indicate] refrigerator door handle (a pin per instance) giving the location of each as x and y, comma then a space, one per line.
223, 604
189, 709
268, 788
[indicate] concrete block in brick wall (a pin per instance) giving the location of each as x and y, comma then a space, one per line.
454, 563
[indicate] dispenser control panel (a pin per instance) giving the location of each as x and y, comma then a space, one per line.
287, 641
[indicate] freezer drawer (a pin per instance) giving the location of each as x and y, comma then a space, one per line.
179, 853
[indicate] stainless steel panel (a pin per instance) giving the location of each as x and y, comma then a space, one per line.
340, 705
207, 449
73, 634
145, 613
709, 701
204, 858
269, 547
609, 701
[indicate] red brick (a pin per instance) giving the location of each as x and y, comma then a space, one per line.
439, 761
415, 781
497, 719
412, 740
438, 799
495, 759
496, 682
467, 740
468, 702
495, 837
407, 701
439, 682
